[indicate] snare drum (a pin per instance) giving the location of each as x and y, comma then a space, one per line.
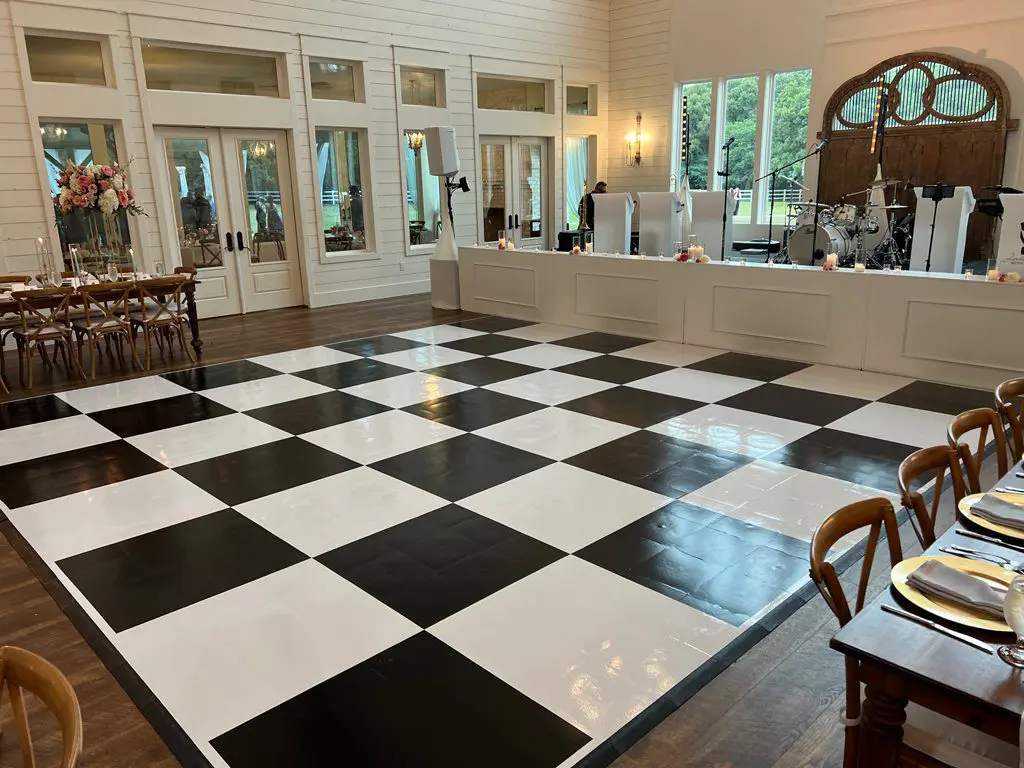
845, 214
831, 239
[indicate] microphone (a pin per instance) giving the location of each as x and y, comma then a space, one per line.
821, 145
729, 143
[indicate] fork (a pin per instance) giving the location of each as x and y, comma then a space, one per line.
989, 557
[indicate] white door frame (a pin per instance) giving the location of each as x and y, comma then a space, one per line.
513, 201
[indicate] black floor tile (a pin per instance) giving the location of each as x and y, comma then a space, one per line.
601, 342
419, 703
147, 576
130, 420
941, 398
806, 405
250, 474
635, 407
659, 463
748, 586
352, 373
482, 371
845, 456
50, 477
488, 344
220, 375
748, 366
34, 410
378, 345
317, 412
617, 370
439, 563
458, 468
473, 409
493, 324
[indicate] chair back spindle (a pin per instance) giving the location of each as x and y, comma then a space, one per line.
942, 460
1013, 414
982, 420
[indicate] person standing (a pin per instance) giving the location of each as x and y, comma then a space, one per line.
587, 203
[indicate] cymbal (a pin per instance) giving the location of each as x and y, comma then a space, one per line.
893, 207
1006, 190
887, 183
809, 205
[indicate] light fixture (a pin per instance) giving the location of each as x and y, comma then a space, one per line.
54, 132
259, 149
415, 140
633, 143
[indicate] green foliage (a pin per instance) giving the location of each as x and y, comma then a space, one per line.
789, 128
698, 97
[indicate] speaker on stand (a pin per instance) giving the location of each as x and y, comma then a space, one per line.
443, 159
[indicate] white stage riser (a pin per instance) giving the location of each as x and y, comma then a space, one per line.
939, 328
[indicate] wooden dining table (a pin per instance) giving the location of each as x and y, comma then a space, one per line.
901, 661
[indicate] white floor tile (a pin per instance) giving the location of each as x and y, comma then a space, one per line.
178, 446
408, 389
555, 432
49, 437
542, 332
565, 506
590, 646
262, 392
734, 430
844, 381
696, 385
782, 499
110, 513
668, 353
545, 355
304, 359
220, 662
897, 424
421, 358
329, 513
438, 334
380, 436
549, 387
118, 393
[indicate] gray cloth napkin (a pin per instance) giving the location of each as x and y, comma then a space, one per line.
1000, 512
940, 581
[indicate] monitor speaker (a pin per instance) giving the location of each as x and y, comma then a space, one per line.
442, 152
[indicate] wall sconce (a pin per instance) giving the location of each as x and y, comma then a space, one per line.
633, 143
414, 140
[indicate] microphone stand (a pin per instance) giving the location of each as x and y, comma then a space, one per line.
725, 183
771, 215
817, 199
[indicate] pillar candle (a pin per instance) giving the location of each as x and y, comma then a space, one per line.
993, 274
501, 243
590, 247
859, 267
832, 260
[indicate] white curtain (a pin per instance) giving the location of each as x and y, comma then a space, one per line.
577, 156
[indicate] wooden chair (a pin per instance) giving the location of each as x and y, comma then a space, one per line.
161, 312
1012, 414
45, 315
105, 316
7, 326
939, 459
186, 270
22, 670
982, 420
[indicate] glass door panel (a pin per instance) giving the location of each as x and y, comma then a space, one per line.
264, 210
530, 189
493, 155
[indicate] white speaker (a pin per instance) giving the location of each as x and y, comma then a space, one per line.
442, 152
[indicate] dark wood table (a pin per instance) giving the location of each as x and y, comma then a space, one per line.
901, 661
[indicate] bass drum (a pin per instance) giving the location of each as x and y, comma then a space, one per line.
831, 239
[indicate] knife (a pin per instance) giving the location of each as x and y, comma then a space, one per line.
989, 539
1009, 489
938, 628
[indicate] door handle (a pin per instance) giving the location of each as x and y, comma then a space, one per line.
230, 243
241, 244
510, 221
517, 221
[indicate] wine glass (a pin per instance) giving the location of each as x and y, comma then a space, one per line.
112, 272
158, 268
1013, 612
54, 279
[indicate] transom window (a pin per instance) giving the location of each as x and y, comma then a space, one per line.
203, 70
511, 94
74, 60
333, 80
422, 87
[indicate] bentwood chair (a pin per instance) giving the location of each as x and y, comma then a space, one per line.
981, 420
186, 270
45, 315
7, 325
21, 671
105, 316
161, 312
929, 739
1012, 414
940, 459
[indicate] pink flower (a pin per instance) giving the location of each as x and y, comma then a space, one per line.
108, 171
84, 180
93, 188
131, 193
122, 198
105, 185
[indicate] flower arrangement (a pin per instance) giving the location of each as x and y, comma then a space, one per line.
95, 187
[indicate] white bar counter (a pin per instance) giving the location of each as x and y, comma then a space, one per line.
938, 327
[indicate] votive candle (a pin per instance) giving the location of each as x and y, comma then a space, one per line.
993, 274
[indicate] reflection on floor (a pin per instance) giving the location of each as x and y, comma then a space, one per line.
503, 541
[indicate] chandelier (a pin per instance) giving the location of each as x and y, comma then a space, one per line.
54, 132
261, 148
415, 140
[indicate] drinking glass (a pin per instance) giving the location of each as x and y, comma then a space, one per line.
158, 269
54, 279
968, 274
1013, 612
112, 272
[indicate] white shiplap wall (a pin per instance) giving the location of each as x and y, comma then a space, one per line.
558, 34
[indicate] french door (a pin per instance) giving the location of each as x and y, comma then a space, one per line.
514, 182
234, 215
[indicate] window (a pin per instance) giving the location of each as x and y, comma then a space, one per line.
422, 87
741, 95
345, 207
422, 192
577, 100
210, 71
197, 210
516, 95
334, 80
65, 60
698, 106
791, 104
577, 176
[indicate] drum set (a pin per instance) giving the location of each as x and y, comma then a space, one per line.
854, 232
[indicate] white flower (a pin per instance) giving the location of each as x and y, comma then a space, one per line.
65, 193
73, 183
108, 201
1013, 277
118, 180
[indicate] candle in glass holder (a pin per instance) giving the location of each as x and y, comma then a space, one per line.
502, 242
832, 260
968, 274
993, 274
859, 267
699, 251
590, 247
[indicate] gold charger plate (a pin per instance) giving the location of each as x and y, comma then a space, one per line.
949, 611
1013, 498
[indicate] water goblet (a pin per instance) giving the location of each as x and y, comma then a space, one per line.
1013, 612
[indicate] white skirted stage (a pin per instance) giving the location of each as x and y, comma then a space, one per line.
927, 326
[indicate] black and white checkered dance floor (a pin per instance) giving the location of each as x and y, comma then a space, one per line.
492, 543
